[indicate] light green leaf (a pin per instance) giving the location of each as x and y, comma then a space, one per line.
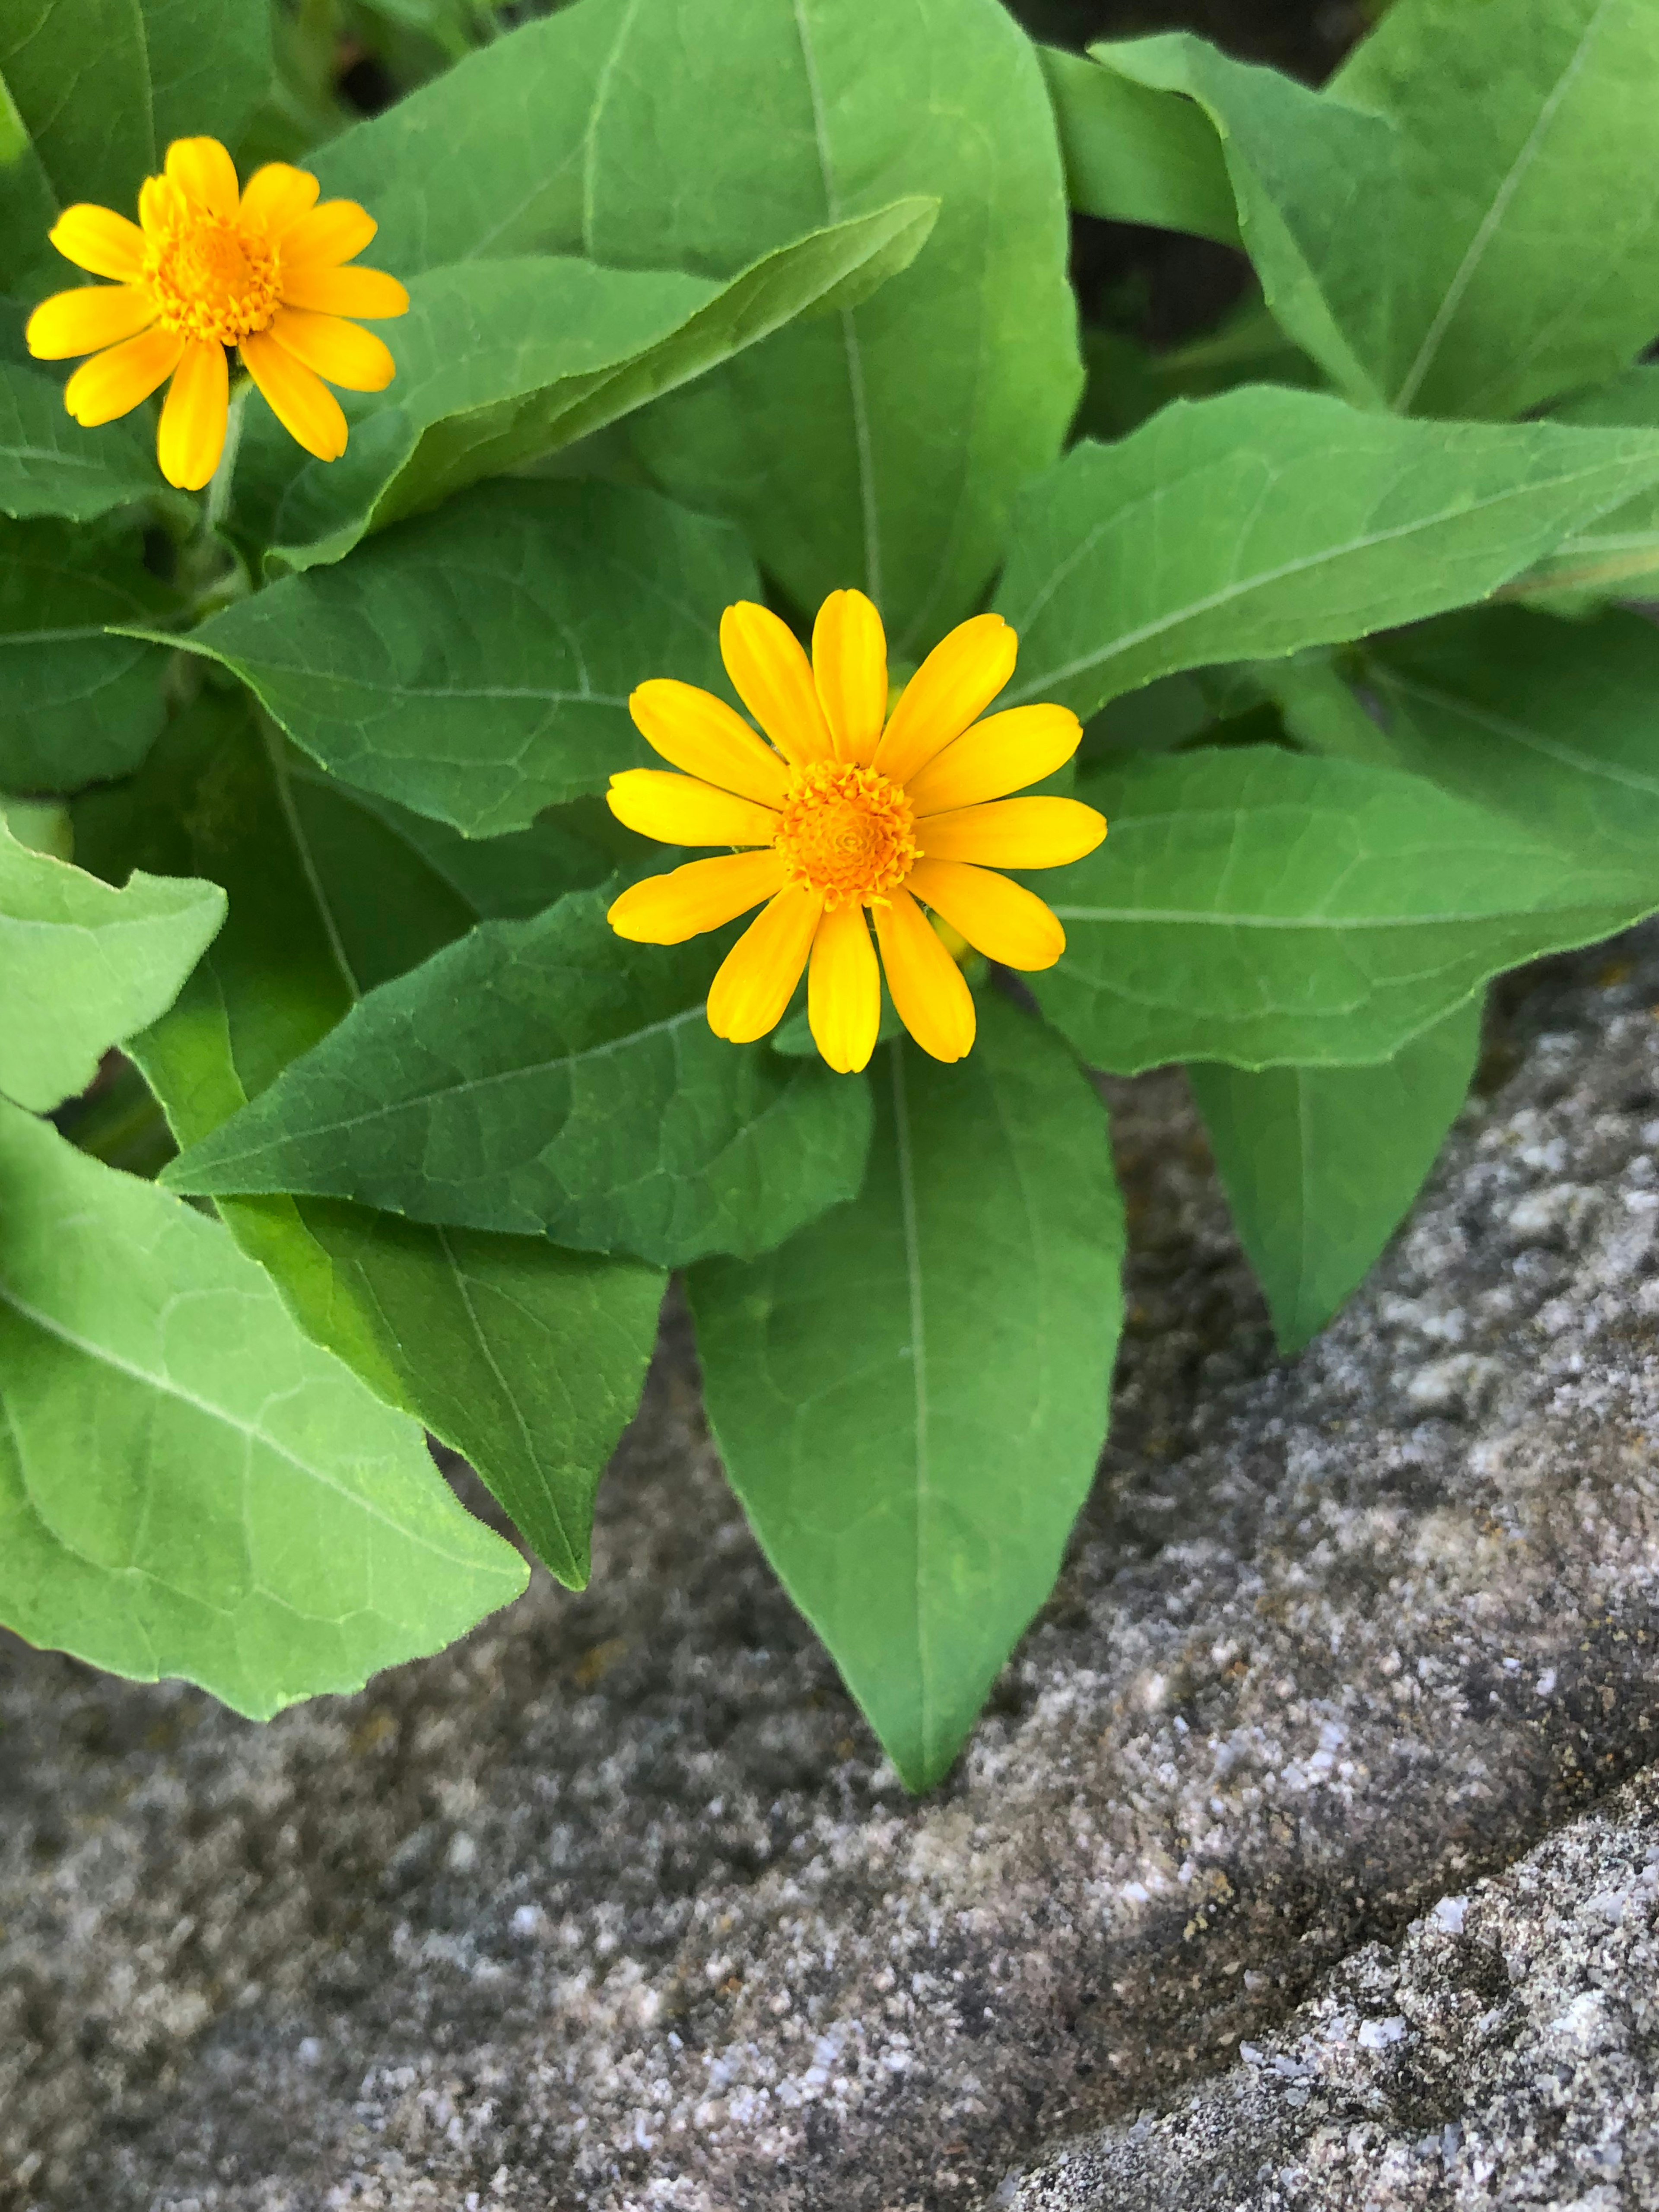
475, 664
80, 704
1320, 1165
1312, 176
1552, 725
546, 1076
1135, 154
1621, 547
526, 1359
910, 1396
500, 363
1265, 520
187, 1485
1523, 258
83, 966
49, 465
1263, 908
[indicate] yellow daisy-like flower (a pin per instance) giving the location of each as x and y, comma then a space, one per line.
849, 810
208, 265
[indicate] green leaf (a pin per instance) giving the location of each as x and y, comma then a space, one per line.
187, 1485
1135, 154
1312, 176
1262, 907
1320, 1165
500, 363
49, 465
910, 1396
81, 705
1621, 547
1265, 520
525, 1359
475, 664
83, 967
1523, 255
1554, 726
547, 1077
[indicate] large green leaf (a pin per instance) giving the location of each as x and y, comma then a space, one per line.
1314, 178
546, 1076
475, 664
1136, 154
1264, 520
83, 966
187, 1485
1523, 258
911, 1395
526, 1359
1320, 1164
1619, 548
1266, 909
49, 465
500, 363
80, 704
1553, 725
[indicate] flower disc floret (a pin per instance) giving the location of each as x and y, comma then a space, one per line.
847, 833
213, 279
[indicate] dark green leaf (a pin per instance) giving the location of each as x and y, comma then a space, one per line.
1263, 908
1135, 153
1320, 1164
1265, 520
83, 967
187, 1485
910, 1396
49, 465
475, 664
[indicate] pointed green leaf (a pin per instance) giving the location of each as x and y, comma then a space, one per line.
80, 704
187, 1485
83, 966
526, 1359
1320, 1165
910, 1396
1135, 154
475, 664
500, 363
1523, 258
1262, 907
49, 465
1264, 520
1621, 548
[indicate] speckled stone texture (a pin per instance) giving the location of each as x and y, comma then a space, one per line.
617, 1907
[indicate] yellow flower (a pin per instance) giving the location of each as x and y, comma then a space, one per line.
208, 266
852, 809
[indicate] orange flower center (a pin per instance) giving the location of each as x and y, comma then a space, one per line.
846, 832
212, 279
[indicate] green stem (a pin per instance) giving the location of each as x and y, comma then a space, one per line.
218, 496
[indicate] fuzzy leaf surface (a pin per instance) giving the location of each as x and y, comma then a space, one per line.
188, 1485
49, 464
910, 1396
1320, 1164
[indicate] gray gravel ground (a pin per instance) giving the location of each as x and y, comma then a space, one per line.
616, 1905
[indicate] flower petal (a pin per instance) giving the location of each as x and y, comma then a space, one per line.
299, 400
368, 294
774, 678
953, 687
1001, 754
680, 810
98, 239
191, 436
161, 206
758, 974
849, 667
338, 350
276, 196
704, 895
1014, 833
701, 734
201, 168
328, 235
115, 382
1000, 918
843, 990
926, 987
91, 316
